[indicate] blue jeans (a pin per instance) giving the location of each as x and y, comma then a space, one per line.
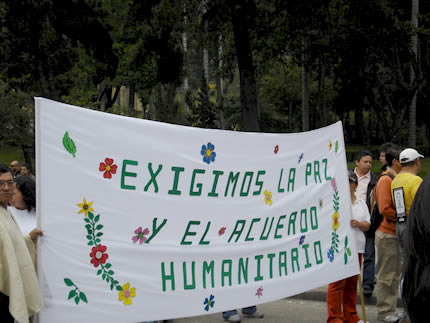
245, 310
369, 265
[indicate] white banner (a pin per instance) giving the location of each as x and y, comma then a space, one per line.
144, 220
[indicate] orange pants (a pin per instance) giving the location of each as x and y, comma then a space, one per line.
342, 300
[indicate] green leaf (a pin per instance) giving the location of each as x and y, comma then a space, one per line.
99, 227
111, 286
83, 297
99, 234
99, 272
118, 288
68, 282
77, 300
96, 219
88, 226
346, 241
98, 240
86, 220
90, 243
104, 276
72, 294
111, 272
69, 144
90, 215
115, 282
89, 237
346, 258
348, 251
108, 265
89, 231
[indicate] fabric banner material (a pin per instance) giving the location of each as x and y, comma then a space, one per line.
145, 220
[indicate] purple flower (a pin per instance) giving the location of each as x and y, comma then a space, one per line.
302, 239
140, 235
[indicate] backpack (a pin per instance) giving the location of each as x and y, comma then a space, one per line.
375, 216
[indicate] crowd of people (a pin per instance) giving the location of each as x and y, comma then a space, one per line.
394, 248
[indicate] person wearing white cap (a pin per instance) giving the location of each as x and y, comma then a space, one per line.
403, 188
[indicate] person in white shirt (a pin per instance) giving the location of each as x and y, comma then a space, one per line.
23, 204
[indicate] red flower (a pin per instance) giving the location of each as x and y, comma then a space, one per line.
108, 168
276, 149
222, 231
98, 255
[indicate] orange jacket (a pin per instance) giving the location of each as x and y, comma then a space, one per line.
385, 204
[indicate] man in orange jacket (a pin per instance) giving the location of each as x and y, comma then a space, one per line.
388, 253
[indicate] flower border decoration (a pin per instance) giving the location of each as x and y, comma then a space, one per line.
347, 252
335, 217
75, 293
99, 256
208, 153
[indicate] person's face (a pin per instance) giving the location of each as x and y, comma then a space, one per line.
17, 199
382, 158
14, 166
352, 187
364, 164
25, 171
6, 188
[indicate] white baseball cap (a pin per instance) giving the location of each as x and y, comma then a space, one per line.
408, 155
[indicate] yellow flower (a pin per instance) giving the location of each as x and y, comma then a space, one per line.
126, 294
85, 207
335, 218
268, 197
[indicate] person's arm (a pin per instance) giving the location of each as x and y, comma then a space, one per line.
360, 225
384, 199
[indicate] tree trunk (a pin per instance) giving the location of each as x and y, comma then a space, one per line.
185, 46
305, 90
240, 10
414, 48
131, 100
219, 86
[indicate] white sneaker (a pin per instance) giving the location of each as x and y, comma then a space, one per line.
389, 319
234, 318
399, 313
361, 321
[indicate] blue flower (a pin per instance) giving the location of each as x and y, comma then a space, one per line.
209, 302
208, 153
330, 255
302, 239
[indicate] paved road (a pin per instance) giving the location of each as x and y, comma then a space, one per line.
290, 310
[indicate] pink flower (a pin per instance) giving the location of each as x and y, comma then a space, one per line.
333, 184
276, 149
140, 235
